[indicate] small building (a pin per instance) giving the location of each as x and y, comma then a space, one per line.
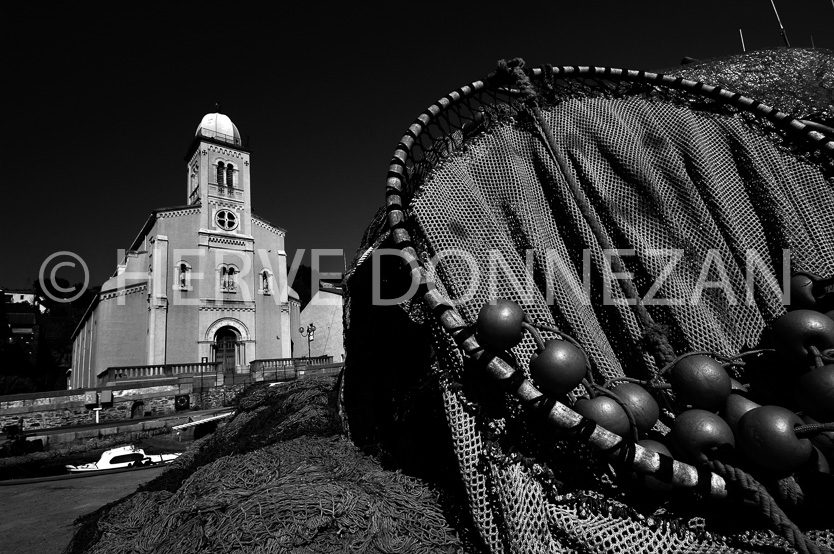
20, 309
11, 296
203, 281
19, 334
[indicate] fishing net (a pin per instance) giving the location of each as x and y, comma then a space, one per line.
279, 477
571, 190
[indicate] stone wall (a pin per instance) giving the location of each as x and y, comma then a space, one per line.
153, 397
130, 401
215, 397
59, 442
45, 415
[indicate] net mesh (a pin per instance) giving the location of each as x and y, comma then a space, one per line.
548, 191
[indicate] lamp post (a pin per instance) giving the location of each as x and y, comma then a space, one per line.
311, 336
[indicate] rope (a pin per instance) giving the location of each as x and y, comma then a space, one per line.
812, 429
657, 342
789, 492
511, 73
754, 491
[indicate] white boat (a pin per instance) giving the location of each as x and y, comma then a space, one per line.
123, 457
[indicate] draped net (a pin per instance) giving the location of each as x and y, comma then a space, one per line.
570, 199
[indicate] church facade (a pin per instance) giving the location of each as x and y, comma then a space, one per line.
205, 281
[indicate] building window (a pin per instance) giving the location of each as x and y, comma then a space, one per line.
226, 220
265, 282
221, 173
228, 278
182, 276
230, 175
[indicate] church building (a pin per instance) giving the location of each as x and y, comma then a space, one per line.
205, 281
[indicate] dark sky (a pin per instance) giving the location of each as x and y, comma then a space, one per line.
100, 106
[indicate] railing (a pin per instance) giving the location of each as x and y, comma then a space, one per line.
276, 369
143, 372
318, 360
222, 137
277, 363
284, 369
323, 370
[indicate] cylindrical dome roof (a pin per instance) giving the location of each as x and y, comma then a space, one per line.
214, 124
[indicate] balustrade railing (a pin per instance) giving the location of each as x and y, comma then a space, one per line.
277, 363
276, 369
284, 369
139, 373
318, 360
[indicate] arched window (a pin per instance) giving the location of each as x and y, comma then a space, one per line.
221, 172
182, 276
228, 278
266, 282
231, 280
230, 175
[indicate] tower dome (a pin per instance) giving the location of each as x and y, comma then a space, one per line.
218, 126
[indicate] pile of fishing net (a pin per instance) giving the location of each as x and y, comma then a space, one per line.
797, 81
566, 190
279, 477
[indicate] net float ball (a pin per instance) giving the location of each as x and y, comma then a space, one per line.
701, 382
605, 412
655, 446
802, 292
766, 435
795, 332
773, 382
559, 368
641, 403
698, 436
499, 325
814, 393
735, 407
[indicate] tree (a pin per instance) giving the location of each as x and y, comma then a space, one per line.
14, 384
56, 325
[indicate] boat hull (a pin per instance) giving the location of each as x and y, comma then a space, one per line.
123, 458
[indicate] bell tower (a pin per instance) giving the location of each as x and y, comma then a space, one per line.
217, 176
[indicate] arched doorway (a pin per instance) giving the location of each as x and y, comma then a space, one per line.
225, 348
137, 410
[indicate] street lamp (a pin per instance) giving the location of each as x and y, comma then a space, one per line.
311, 336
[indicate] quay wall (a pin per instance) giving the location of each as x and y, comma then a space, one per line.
152, 397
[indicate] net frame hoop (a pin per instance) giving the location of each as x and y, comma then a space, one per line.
645, 461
